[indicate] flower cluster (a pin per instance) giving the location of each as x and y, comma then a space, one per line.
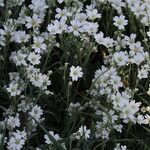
74, 73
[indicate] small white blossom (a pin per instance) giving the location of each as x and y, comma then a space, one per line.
34, 58
120, 147
17, 140
75, 73
76, 27
148, 92
83, 132
143, 73
2, 3
54, 29
13, 89
148, 33
121, 58
60, 1
55, 136
39, 44
36, 113
20, 36
13, 122
120, 21
18, 58
93, 14
34, 22
62, 14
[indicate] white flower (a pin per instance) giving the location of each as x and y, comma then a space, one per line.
120, 21
101, 132
61, 25
81, 17
121, 58
15, 143
2, 3
9, 27
44, 81
17, 140
17, 2
148, 92
105, 134
13, 122
117, 4
31, 71
13, 89
36, 113
18, 58
138, 9
128, 111
75, 73
138, 58
38, 6
22, 15
93, 14
148, 33
91, 28
62, 14
135, 47
130, 40
115, 81
120, 147
34, 22
20, 36
83, 132
74, 106
146, 20
141, 119
60, 1
100, 38
112, 117
147, 119
38, 44
103, 1
25, 106
55, 136
38, 79
118, 127
2, 40
76, 27
143, 73
34, 58
54, 29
